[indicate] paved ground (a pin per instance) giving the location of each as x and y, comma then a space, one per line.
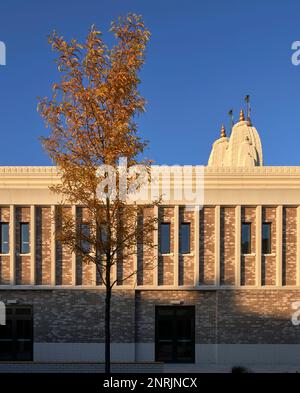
263, 368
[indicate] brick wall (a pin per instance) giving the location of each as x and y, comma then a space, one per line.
76, 315
289, 245
43, 245
63, 257
227, 246
207, 246
147, 259
248, 316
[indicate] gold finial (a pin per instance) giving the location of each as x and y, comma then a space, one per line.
242, 116
223, 131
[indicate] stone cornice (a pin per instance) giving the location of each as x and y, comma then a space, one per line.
281, 177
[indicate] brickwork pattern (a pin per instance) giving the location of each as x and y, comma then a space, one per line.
63, 258
207, 246
84, 270
227, 246
85, 273
246, 316
43, 245
289, 245
146, 259
62, 316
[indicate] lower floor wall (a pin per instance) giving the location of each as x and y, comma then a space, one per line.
206, 354
233, 327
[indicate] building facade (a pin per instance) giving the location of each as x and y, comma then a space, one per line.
222, 289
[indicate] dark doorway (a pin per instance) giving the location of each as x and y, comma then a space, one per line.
175, 334
16, 337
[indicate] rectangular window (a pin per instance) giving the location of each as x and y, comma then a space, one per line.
266, 238
85, 235
4, 238
185, 247
24, 237
165, 238
246, 238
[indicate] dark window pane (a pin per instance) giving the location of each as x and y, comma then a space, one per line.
164, 327
23, 311
103, 234
165, 238
23, 328
184, 328
9, 310
246, 238
24, 237
4, 238
6, 349
85, 235
165, 312
6, 330
266, 238
185, 238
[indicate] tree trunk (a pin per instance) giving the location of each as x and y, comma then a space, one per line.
107, 326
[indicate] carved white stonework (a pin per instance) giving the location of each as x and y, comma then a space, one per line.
242, 149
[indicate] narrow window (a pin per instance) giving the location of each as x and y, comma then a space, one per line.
185, 247
246, 238
24, 237
266, 238
165, 238
85, 235
4, 240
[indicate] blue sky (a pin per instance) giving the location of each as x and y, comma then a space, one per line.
204, 56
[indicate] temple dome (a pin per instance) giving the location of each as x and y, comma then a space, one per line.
243, 148
218, 152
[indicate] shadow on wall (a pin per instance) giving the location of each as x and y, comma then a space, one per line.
237, 327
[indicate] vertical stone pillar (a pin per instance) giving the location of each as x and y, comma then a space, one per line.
73, 257
155, 269
196, 246
258, 230
279, 211
217, 244
32, 244
12, 244
238, 220
176, 245
53, 247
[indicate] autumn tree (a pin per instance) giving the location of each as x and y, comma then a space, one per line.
92, 117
